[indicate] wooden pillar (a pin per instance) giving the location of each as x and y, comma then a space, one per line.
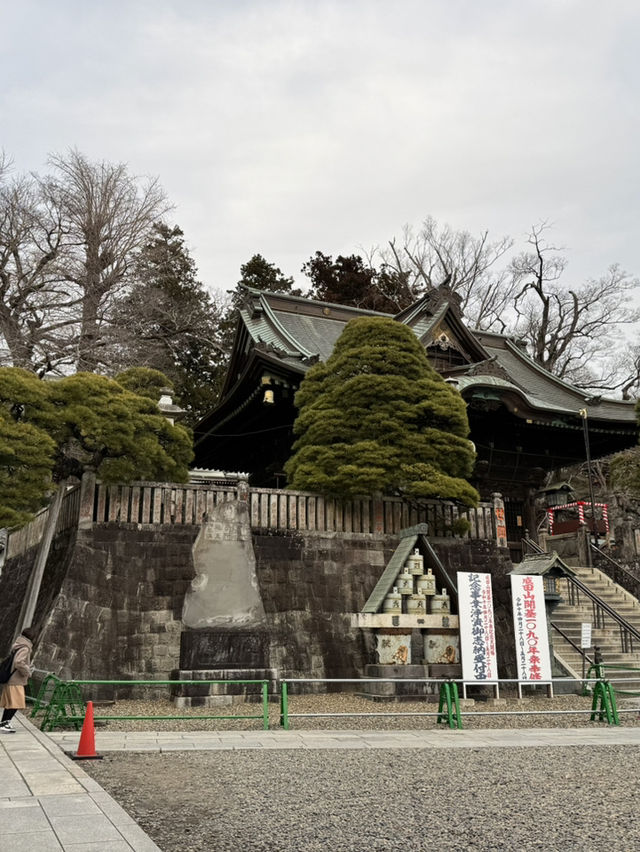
498, 514
87, 498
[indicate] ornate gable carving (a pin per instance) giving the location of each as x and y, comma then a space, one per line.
490, 367
443, 338
443, 294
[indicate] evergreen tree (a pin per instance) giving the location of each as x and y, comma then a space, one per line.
259, 274
144, 381
262, 275
26, 452
347, 280
171, 322
52, 430
376, 418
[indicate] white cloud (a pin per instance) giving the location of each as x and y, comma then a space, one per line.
290, 127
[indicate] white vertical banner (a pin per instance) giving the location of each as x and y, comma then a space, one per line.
477, 633
530, 627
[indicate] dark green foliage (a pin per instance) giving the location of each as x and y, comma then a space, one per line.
26, 452
259, 274
376, 418
349, 281
120, 435
262, 275
144, 381
171, 322
26, 460
51, 430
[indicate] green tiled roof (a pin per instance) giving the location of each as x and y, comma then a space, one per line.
301, 331
388, 578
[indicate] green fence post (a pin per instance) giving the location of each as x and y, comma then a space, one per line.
52, 710
40, 697
456, 704
445, 699
612, 703
265, 705
284, 706
600, 705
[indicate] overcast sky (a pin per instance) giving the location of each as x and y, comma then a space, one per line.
289, 127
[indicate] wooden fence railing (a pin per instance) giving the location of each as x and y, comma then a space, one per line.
158, 502
19, 541
162, 503
270, 509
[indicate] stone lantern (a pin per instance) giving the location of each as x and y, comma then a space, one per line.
168, 408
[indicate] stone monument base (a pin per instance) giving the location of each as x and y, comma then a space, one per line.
399, 691
222, 694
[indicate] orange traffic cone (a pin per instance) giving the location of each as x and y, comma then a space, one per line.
87, 744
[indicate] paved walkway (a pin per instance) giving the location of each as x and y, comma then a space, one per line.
278, 739
47, 801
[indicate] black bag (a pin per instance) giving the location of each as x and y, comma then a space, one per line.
6, 667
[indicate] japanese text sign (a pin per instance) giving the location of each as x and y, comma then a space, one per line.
477, 633
530, 628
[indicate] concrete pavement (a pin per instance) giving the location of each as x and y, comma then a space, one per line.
47, 801
109, 741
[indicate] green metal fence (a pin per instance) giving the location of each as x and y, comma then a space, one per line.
603, 707
65, 706
600, 670
62, 703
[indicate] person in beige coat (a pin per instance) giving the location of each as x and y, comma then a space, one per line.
13, 695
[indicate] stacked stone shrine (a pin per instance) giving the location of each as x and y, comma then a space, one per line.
411, 611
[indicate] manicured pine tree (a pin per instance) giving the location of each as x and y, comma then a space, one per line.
377, 419
53, 430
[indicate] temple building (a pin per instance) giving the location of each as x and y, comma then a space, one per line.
524, 421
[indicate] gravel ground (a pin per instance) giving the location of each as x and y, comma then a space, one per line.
348, 703
557, 800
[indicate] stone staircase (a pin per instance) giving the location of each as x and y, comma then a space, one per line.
569, 619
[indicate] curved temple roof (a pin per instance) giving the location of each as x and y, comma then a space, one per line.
297, 332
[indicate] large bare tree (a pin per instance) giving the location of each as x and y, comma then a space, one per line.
34, 300
572, 331
68, 243
436, 255
108, 216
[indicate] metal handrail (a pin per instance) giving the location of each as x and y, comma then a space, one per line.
529, 542
603, 707
68, 694
627, 631
568, 639
621, 575
600, 607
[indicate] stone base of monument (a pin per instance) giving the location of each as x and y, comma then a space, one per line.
387, 690
445, 670
224, 693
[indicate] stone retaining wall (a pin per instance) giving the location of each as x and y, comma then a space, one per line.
112, 601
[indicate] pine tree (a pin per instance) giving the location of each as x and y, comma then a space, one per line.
53, 430
376, 418
170, 321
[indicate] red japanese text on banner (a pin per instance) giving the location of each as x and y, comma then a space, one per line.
530, 628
